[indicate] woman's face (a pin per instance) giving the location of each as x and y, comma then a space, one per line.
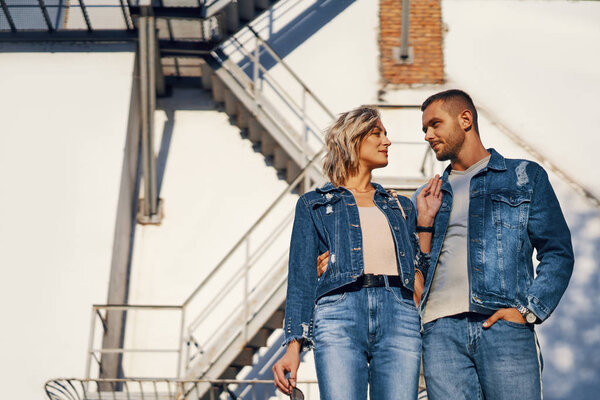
373, 151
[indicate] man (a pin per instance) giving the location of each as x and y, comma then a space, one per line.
481, 297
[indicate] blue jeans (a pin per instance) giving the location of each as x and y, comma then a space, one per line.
367, 338
462, 360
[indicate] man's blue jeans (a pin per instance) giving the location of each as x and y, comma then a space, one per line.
370, 337
462, 360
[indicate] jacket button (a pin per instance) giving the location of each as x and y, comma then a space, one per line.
396, 228
406, 281
384, 207
401, 253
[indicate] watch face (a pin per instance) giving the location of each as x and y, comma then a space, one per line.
530, 317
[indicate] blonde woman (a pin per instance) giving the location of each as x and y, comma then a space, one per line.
360, 315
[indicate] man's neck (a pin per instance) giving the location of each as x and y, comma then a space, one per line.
467, 157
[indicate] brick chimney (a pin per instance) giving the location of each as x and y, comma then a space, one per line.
425, 63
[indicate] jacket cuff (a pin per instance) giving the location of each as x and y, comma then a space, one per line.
306, 344
302, 332
538, 308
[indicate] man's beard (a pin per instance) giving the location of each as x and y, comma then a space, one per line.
452, 146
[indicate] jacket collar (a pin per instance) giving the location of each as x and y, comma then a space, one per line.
497, 163
329, 187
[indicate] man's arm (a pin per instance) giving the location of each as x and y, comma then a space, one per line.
550, 236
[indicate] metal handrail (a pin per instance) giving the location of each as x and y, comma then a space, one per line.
285, 192
158, 388
287, 68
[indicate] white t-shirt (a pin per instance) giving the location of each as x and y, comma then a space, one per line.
449, 293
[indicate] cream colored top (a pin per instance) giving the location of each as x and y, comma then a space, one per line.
379, 252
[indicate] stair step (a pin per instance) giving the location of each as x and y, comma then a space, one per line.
254, 130
267, 144
230, 103
292, 170
232, 18
243, 116
244, 358
262, 4
218, 89
207, 73
230, 373
260, 339
275, 321
280, 158
246, 10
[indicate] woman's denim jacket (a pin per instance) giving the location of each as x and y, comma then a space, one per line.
328, 219
512, 210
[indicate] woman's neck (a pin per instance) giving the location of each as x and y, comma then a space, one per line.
360, 182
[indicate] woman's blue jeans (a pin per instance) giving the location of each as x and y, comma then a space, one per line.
368, 338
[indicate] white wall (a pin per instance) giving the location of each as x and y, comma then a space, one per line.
536, 65
63, 123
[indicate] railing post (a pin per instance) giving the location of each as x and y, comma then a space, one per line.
306, 180
88, 366
246, 284
181, 343
256, 76
150, 207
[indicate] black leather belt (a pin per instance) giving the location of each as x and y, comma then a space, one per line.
367, 281
370, 280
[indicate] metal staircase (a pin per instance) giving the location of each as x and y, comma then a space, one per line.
235, 310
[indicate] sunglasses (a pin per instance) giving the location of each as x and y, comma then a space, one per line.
296, 394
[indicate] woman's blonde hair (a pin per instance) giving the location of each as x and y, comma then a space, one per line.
343, 140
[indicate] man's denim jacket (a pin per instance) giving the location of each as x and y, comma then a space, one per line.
512, 210
328, 219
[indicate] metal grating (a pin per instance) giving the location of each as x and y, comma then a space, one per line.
60, 15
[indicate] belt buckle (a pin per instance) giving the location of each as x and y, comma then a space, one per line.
370, 280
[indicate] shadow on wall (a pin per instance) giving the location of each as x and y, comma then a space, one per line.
181, 99
571, 336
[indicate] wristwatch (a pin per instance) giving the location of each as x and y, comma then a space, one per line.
528, 316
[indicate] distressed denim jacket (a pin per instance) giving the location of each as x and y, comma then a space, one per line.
328, 219
512, 210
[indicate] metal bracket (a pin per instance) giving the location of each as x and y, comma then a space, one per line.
145, 218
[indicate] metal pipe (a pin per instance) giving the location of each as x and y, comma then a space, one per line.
143, 59
151, 28
405, 26
13, 28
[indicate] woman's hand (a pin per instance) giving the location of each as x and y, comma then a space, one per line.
419, 287
429, 201
288, 363
322, 262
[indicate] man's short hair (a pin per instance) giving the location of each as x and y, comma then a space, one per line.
455, 101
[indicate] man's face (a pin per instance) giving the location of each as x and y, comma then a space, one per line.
442, 131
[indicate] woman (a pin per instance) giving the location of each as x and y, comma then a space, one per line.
359, 315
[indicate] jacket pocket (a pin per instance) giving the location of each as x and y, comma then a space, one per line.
510, 209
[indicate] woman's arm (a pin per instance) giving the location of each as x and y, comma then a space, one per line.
302, 282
